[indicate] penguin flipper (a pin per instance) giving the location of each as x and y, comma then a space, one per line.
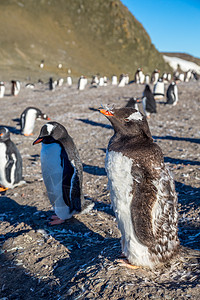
8, 168
75, 192
68, 172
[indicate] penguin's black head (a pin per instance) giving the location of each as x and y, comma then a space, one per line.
43, 116
4, 134
127, 121
51, 132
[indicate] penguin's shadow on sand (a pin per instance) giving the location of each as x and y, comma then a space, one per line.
93, 123
12, 129
87, 248
178, 161
176, 138
189, 198
94, 170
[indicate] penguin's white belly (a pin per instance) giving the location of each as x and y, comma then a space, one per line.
29, 121
122, 82
120, 184
3, 162
52, 172
2, 91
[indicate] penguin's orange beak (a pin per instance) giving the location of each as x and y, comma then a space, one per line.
106, 112
48, 119
39, 140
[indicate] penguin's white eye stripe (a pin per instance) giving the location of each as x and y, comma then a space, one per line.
49, 128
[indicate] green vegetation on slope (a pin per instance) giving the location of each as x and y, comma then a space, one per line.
88, 36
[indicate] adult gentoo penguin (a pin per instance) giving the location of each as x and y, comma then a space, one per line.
141, 189
15, 87
133, 102
62, 171
10, 162
148, 102
2, 89
28, 117
172, 93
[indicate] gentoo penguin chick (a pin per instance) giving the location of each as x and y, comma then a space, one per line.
148, 102
28, 117
62, 171
10, 162
142, 191
172, 93
15, 87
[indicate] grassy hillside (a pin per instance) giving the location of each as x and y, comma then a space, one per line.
88, 36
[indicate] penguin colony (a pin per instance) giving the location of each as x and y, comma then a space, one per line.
141, 187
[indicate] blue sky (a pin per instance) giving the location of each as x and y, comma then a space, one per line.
173, 25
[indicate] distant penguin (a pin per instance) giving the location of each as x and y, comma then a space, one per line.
69, 81
94, 81
181, 77
82, 82
101, 81
148, 102
28, 117
155, 76
29, 86
114, 80
15, 87
52, 84
159, 89
169, 77
126, 79
105, 80
195, 75
2, 89
139, 76
188, 76
10, 162
62, 171
147, 79
133, 103
164, 77
60, 66
41, 64
122, 80
60, 82
172, 93
142, 191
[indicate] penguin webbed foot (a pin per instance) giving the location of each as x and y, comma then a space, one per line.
56, 220
3, 189
125, 263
